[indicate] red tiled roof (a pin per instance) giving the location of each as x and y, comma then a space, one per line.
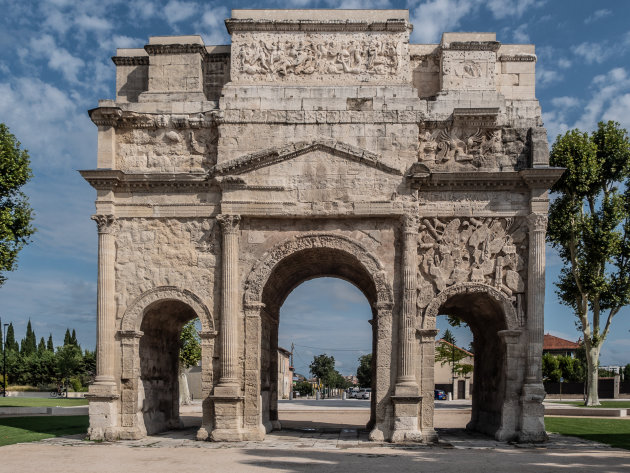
441, 340
556, 343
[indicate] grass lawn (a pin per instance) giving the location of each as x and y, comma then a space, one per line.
614, 432
40, 402
613, 404
29, 429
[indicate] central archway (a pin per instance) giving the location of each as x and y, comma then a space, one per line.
299, 259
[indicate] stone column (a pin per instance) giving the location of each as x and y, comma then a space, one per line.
207, 383
229, 300
533, 393
406, 382
407, 397
427, 383
535, 296
106, 303
103, 395
385, 355
228, 396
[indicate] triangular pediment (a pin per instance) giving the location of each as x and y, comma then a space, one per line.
260, 159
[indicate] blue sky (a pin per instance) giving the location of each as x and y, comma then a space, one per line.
55, 64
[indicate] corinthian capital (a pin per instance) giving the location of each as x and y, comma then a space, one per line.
105, 223
410, 222
229, 223
537, 222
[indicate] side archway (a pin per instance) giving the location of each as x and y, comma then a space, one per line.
499, 350
149, 334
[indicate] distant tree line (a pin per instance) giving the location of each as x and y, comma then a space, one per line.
41, 365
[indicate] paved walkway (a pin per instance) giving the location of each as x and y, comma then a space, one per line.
313, 451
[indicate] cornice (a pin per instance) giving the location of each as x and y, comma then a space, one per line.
131, 60
157, 49
517, 58
421, 177
333, 26
116, 117
111, 179
472, 46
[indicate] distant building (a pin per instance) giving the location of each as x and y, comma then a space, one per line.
352, 379
559, 346
461, 386
285, 373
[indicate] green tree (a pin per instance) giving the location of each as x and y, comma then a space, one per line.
589, 227
73, 339
304, 388
626, 372
448, 352
29, 343
190, 345
11, 343
323, 367
49, 344
15, 212
364, 371
41, 347
551, 368
69, 362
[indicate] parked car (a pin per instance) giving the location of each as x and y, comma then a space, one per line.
353, 394
439, 395
366, 393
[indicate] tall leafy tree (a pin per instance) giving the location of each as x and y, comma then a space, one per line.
41, 347
364, 371
323, 368
49, 344
589, 226
15, 212
447, 351
73, 338
190, 345
67, 340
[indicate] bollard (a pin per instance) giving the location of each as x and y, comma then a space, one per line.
449, 397
317, 395
343, 396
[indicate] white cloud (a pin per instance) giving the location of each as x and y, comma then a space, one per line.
505, 8
432, 18
520, 34
593, 52
619, 111
545, 77
93, 23
565, 102
608, 88
598, 15
212, 21
59, 59
144, 9
176, 11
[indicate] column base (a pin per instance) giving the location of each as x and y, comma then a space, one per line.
406, 421
103, 412
532, 414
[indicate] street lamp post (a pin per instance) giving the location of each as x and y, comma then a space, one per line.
4, 359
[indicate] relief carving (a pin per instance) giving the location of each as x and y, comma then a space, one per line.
467, 148
286, 58
486, 251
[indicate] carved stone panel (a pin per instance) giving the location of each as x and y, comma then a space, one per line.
462, 147
490, 251
468, 70
320, 58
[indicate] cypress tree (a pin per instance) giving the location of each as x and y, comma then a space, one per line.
66, 338
73, 338
41, 348
49, 345
11, 343
29, 343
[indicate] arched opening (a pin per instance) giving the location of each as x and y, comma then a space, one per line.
296, 268
159, 347
330, 317
491, 320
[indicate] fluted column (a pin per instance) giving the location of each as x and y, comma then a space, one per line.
229, 299
406, 376
106, 303
535, 296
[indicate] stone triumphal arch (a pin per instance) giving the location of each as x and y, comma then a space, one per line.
319, 143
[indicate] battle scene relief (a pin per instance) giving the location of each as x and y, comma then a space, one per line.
480, 250
320, 57
467, 148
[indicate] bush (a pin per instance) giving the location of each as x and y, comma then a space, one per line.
304, 388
